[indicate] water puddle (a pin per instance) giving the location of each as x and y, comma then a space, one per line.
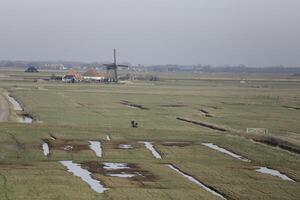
21, 118
16, 105
122, 170
46, 149
96, 147
108, 138
68, 147
125, 146
115, 166
24, 119
85, 175
273, 172
150, 147
192, 179
215, 147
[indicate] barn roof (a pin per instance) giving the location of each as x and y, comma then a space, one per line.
74, 73
91, 72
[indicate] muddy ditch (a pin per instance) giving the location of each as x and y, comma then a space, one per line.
176, 144
121, 170
21, 116
173, 105
292, 107
132, 105
271, 141
275, 142
204, 124
16, 105
205, 112
263, 170
206, 187
52, 137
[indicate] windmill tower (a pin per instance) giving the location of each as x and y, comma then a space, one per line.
112, 69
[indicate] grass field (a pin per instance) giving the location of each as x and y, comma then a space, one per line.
77, 113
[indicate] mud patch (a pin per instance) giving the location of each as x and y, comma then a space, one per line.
197, 182
132, 105
66, 145
85, 175
176, 144
202, 110
222, 150
206, 113
173, 105
121, 170
151, 148
206, 125
234, 104
273, 172
52, 137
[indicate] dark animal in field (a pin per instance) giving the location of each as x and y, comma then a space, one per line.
134, 124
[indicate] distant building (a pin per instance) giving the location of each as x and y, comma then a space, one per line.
72, 76
92, 75
54, 66
31, 69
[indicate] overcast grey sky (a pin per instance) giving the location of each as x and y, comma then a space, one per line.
252, 32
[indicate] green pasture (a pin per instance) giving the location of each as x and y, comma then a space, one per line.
81, 112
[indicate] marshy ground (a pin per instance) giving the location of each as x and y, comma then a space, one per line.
195, 149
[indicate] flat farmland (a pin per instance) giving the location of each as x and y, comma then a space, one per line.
67, 117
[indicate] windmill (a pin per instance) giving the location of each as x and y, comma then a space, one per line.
114, 67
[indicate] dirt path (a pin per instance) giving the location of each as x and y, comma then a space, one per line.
4, 109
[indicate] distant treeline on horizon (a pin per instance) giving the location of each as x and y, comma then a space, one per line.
61, 65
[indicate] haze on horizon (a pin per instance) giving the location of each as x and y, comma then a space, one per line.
218, 32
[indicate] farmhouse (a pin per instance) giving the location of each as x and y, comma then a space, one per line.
72, 76
92, 75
